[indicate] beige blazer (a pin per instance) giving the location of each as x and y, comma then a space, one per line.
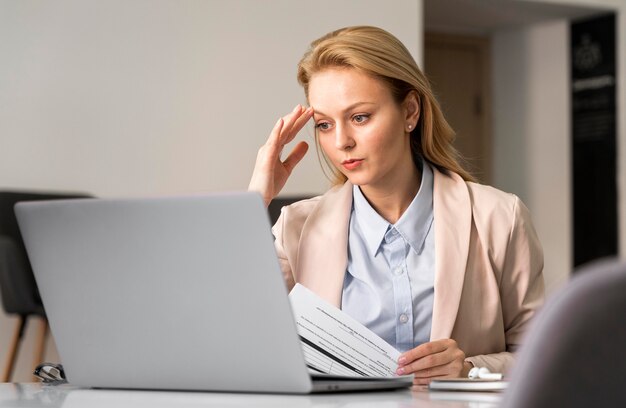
488, 262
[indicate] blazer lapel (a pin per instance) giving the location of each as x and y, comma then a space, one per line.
323, 249
453, 221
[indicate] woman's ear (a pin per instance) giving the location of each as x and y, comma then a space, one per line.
412, 109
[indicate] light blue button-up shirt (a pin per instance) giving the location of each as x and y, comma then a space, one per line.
389, 285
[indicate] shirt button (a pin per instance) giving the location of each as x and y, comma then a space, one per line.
398, 270
404, 318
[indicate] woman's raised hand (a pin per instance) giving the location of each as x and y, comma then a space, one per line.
270, 172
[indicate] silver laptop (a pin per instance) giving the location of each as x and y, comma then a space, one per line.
181, 293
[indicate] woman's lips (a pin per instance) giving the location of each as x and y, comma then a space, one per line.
351, 164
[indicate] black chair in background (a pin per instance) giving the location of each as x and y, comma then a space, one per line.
20, 295
575, 351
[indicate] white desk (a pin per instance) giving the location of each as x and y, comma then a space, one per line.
38, 396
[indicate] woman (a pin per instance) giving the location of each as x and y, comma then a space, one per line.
446, 270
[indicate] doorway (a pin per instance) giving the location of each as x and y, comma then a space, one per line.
458, 69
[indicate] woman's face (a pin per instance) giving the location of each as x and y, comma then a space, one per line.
361, 128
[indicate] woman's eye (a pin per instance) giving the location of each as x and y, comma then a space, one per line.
323, 126
360, 118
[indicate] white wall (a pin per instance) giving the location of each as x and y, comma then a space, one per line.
531, 133
150, 97
145, 97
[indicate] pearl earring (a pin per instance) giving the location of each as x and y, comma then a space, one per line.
410, 127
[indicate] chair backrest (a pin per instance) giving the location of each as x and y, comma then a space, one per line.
17, 283
575, 352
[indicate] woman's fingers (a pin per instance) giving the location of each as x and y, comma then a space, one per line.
426, 381
421, 351
273, 142
295, 156
270, 173
440, 357
301, 119
282, 127
442, 370
289, 121
294, 122
287, 127
427, 362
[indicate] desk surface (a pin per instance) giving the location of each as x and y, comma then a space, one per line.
36, 395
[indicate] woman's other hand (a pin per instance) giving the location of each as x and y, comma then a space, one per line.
270, 172
435, 359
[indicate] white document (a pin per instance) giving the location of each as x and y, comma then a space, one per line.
334, 343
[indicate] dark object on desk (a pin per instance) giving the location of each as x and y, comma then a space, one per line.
50, 373
575, 352
278, 203
17, 283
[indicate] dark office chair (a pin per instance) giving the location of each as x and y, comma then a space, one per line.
278, 203
20, 295
575, 352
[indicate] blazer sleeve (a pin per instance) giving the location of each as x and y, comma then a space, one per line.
521, 288
279, 244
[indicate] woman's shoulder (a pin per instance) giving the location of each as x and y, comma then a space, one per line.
496, 209
491, 199
298, 212
483, 198
304, 208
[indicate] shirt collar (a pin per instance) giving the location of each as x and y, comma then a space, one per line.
370, 222
413, 225
417, 220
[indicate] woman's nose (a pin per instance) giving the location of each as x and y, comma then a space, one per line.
343, 138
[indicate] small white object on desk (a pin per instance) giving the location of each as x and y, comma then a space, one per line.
484, 374
479, 379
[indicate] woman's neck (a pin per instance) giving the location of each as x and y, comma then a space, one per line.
392, 200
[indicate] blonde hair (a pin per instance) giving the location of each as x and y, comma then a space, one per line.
378, 53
